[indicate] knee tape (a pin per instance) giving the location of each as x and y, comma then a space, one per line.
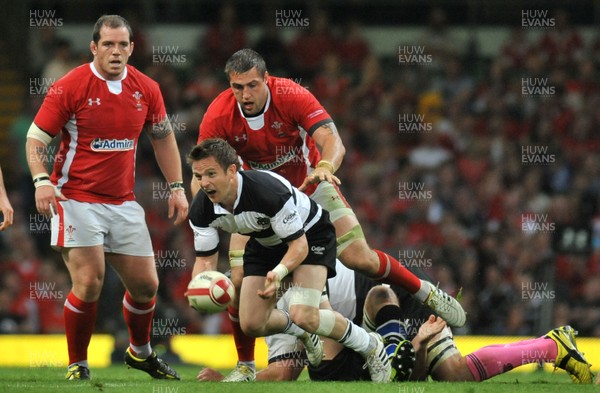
347, 238
305, 296
326, 323
236, 258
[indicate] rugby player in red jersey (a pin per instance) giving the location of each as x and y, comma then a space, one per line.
100, 109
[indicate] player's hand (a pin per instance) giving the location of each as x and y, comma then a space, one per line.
178, 202
7, 213
208, 374
45, 200
271, 285
431, 328
318, 175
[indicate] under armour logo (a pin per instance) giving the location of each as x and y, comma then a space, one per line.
237, 138
92, 102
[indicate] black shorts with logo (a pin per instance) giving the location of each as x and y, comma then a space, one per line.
259, 260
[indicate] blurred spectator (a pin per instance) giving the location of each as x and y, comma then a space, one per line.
309, 47
332, 86
563, 45
353, 47
224, 37
60, 63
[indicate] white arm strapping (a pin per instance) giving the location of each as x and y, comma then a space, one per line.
36, 133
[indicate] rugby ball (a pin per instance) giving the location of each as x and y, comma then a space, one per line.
210, 292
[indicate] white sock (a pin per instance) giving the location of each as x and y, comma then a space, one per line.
143, 351
358, 339
83, 363
250, 364
423, 292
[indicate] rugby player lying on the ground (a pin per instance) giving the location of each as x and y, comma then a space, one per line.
436, 353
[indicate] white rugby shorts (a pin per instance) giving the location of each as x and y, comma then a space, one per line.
120, 228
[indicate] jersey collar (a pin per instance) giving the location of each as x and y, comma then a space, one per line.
257, 122
114, 87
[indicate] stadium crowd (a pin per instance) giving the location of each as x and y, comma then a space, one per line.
482, 171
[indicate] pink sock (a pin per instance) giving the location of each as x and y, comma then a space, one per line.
492, 360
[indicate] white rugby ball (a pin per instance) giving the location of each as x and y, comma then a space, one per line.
210, 291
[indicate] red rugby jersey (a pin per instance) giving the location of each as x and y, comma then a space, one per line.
279, 139
100, 122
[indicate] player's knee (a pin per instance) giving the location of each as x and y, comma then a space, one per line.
378, 297
306, 317
90, 284
144, 291
252, 328
359, 257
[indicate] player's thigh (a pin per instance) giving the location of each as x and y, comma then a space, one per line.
138, 274
85, 265
254, 310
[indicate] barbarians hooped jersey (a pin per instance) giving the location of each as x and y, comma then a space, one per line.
100, 122
267, 208
279, 139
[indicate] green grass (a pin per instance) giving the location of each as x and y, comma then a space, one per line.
120, 379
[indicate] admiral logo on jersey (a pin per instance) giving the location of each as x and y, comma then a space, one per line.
100, 144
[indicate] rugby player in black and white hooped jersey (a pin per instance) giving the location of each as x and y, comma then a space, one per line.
289, 234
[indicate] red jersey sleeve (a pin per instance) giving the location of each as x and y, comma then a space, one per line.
56, 110
156, 106
309, 113
209, 126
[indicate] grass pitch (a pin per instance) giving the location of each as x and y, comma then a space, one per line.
120, 379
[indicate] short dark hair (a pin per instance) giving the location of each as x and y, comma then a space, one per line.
217, 148
244, 60
112, 21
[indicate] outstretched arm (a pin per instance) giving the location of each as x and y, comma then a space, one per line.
168, 159
332, 150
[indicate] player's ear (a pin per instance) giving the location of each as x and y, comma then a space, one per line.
130, 48
266, 76
93, 48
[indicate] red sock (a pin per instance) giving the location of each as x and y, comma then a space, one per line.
392, 272
80, 318
492, 360
138, 318
243, 343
